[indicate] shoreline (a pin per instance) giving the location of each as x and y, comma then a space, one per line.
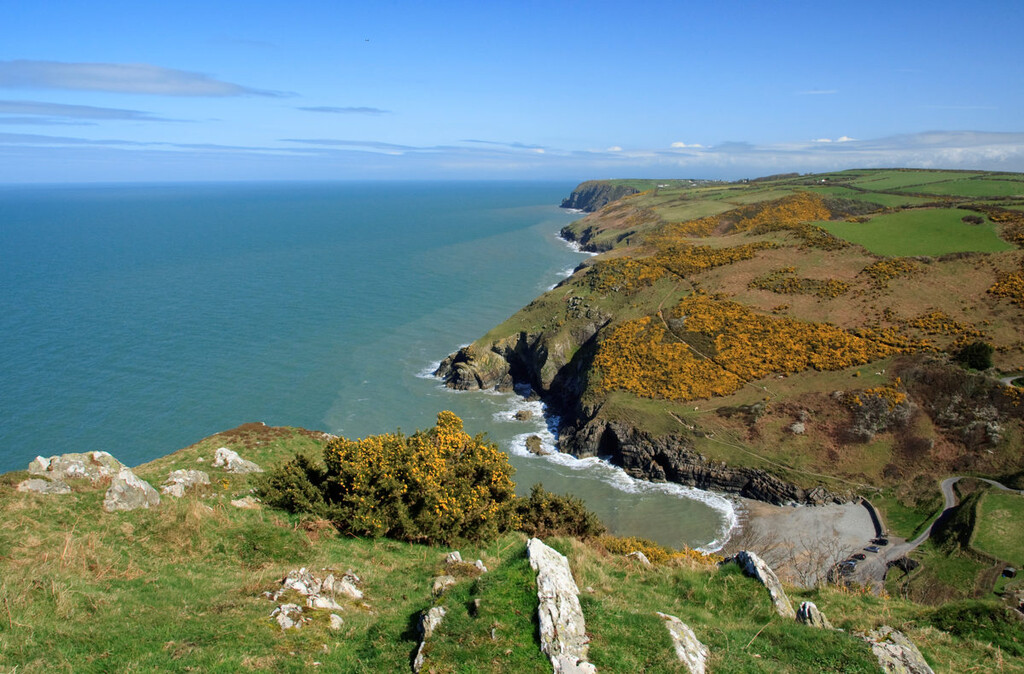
802, 542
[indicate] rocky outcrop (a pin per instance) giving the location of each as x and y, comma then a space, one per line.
755, 566
810, 615
93, 466
639, 557
593, 195
39, 486
895, 652
289, 616
429, 621
180, 481
690, 651
321, 592
128, 492
229, 460
669, 458
563, 633
311, 585
441, 584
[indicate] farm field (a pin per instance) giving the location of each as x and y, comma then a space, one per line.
927, 231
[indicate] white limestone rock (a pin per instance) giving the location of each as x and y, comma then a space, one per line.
230, 461
453, 557
441, 584
336, 622
640, 557
180, 481
429, 621
756, 567
288, 616
563, 633
895, 652
690, 651
94, 466
247, 503
128, 492
40, 486
479, 564
320, 601
810, 614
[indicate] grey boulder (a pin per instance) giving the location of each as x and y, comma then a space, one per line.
128, 492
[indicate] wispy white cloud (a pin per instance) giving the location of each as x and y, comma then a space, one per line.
346, 111
335, 158
123, 78
44, 109
678, 145
614, 148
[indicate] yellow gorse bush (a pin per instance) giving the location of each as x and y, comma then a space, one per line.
436, 486
883, 271
718, 347
784, 282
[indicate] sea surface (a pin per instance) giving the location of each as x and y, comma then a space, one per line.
140, 319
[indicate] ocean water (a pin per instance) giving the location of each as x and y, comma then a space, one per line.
140, 319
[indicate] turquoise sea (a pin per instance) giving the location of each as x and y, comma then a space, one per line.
140, 319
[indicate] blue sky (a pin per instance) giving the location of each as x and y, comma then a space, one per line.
141, 91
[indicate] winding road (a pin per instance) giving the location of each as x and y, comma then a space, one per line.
872, 570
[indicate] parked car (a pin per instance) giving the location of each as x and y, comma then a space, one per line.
860, 555
880, 541
872, 548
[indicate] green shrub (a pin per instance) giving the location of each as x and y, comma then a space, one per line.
976, 355
545, 514
436, 486
981, 620
297, 487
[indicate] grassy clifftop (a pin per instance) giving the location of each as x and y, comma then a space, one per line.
180, 587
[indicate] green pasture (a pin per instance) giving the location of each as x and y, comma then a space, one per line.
1000, 528
933, 231
889, 180
974, 188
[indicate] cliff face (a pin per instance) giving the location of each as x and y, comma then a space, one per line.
592, 195
670, 458
530, 358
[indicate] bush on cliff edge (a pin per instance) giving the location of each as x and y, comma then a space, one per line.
436, 486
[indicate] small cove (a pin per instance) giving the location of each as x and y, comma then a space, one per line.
139, 319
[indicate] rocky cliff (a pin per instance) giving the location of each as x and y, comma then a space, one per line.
530, 359
592, 195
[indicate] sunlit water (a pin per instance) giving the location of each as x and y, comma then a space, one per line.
140, 319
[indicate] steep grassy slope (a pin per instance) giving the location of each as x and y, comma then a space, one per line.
179, 588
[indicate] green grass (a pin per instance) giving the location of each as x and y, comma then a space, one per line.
933, 231
903, 520
889, 200
973, 188
1000, 522
179, 588
888, 180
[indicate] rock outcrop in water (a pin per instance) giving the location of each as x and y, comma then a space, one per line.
592, 195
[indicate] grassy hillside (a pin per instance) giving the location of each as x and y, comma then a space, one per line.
179, 588
865, 282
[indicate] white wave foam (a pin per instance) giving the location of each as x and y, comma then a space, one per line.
545, 427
